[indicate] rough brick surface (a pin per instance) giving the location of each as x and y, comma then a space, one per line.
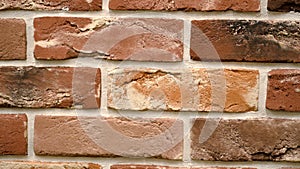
284, 90
243, 40
13, 137
129, 166
114, 39
284, 5
44, 87
212, 90
188, 5
93, 136
73, 5
46, 165
12, 39
246, 140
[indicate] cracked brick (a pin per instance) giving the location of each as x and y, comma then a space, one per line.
212, 90
284, 5
49, 87
12, 39
246, 140
283, 91
147, 39
64, 5
13, 138
245, 40
186, 5
108, 137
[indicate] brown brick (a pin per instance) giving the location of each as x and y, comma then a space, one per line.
246, 140
245, 40
116, 39
187, 5
72, 5
212, 90
284, 5
284, 90
12, 39
45, 87
46, 165
108, 137
132, 166
13, 137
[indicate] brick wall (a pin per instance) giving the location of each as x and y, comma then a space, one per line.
150, 84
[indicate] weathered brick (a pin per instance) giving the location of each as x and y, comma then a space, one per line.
13, 137
187, 5
12, 39
245, 40
108, 137
115, 39
284, 90
72, 5
132, 166
46, 165
45, 87
189, 90
284, 5
246, 140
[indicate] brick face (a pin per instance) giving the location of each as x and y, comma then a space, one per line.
72, 5
284, 90
12, 39
245, 40
284, 5
13, 138
129, 166
187, 5
162, 90
46, 165
246, 140
49, 87
108, 137
137, 39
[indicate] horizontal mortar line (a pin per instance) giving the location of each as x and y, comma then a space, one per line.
146, 161
154, 14
152, 114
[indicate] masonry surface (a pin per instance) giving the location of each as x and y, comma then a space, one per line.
149, 84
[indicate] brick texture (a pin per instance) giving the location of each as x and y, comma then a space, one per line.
245, 40
12, 39
129, 166
13, 137
45, 87
72, 5
284, 5
116, 39
246, 140
187, 5
212, 90
108, 137
46, 165
284, 90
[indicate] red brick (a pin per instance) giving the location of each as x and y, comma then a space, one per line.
187, 5
116, 39
212, 90
45, 87
284, 5
12, 39
245, 40
108, 137
47, 165
284, 90
13, 137
246, 140
132, 166
72, 5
